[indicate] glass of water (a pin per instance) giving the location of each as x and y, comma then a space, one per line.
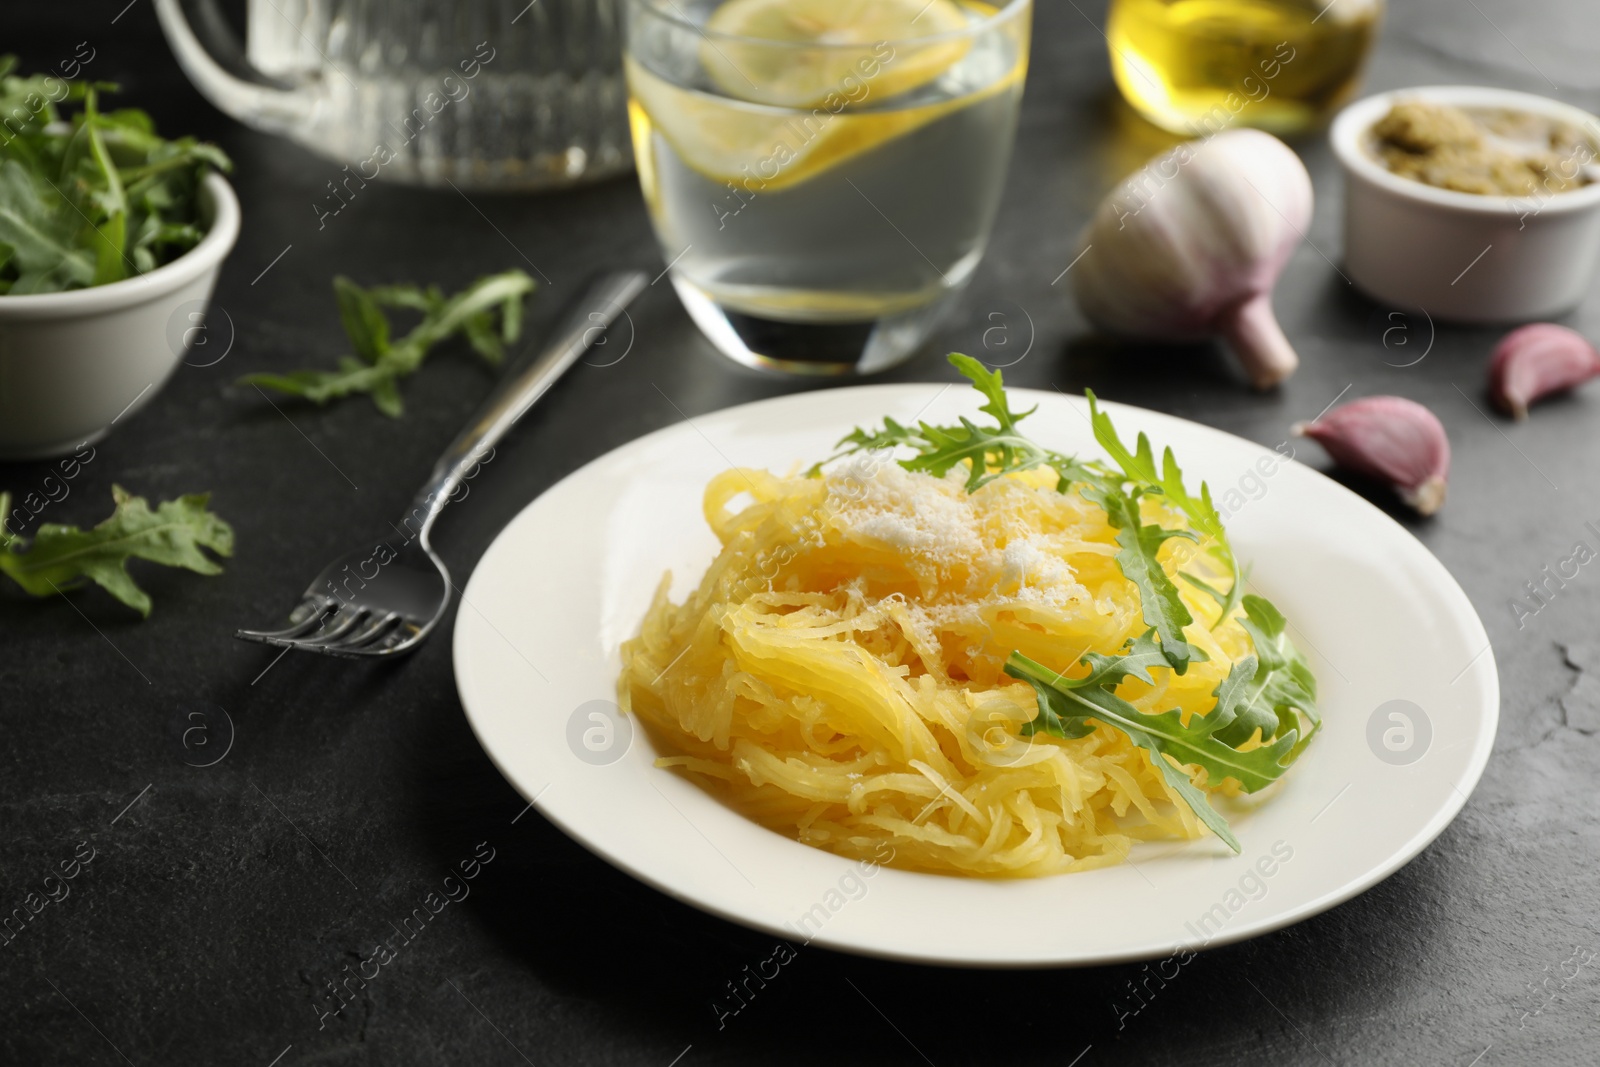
822, 174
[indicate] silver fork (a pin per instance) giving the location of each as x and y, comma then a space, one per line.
384, 599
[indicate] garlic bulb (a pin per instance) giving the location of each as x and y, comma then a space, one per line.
1391, 439
1189, 247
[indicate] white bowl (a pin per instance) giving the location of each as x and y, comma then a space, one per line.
1464, 256
73, 363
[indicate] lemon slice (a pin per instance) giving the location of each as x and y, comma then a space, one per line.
761, 149
799, 53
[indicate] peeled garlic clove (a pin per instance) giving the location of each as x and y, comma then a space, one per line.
1392, 439
1190, 246
1534, 361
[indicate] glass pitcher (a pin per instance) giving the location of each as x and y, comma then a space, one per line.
485, 94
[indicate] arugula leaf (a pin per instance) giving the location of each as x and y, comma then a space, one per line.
1159, 600
92, 199
1140, 468
1134, 661
110, 251
1284, 685
384, 361
1069, 708
364, 324
1232, 717
988, 453
39, 230
60, 558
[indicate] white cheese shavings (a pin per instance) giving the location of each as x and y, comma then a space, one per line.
982, 548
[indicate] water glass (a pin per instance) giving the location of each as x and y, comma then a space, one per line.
822, 175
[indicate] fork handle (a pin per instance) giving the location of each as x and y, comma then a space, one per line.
518, 389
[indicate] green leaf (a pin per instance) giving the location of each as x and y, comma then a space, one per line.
405, 296
92, 200
484, 338
321, 387
7, 538
41, 228
511, 319
1161, 604
109, 240
1139, 467
1069, 708
110, 236
892, 435
174, 534
448, 319
1266, 625
992, 385
1209, 590
1202, 512
364, 324
988, 453
1237, 715
1284, 685
385, 360
115, 198
386, 395
131, 120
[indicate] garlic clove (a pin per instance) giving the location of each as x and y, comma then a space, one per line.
1392, 439
1190, 246
1534, 361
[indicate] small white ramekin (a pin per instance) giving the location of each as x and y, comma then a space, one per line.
73, 363
1464, 257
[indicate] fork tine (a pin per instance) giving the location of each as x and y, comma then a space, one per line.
349, 621
379, 629
311, 622
395, 641
382, 648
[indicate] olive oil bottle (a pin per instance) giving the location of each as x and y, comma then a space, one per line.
1197, 66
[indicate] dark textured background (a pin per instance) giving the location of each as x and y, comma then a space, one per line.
217, 903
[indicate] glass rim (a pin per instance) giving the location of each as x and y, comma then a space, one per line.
1004, 13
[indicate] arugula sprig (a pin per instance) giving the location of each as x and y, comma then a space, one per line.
1283, 685
1261, 700
94, 199
61, 558
989, 453
1254, 731
381, 361
1139, 468
1070, 708
1159, 600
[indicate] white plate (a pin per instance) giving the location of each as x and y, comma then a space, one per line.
1379, 617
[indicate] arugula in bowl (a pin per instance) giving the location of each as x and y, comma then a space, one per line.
93, 198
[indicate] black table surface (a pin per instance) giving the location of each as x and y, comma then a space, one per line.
220, 899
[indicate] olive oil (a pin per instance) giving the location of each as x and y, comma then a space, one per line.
1197, 66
